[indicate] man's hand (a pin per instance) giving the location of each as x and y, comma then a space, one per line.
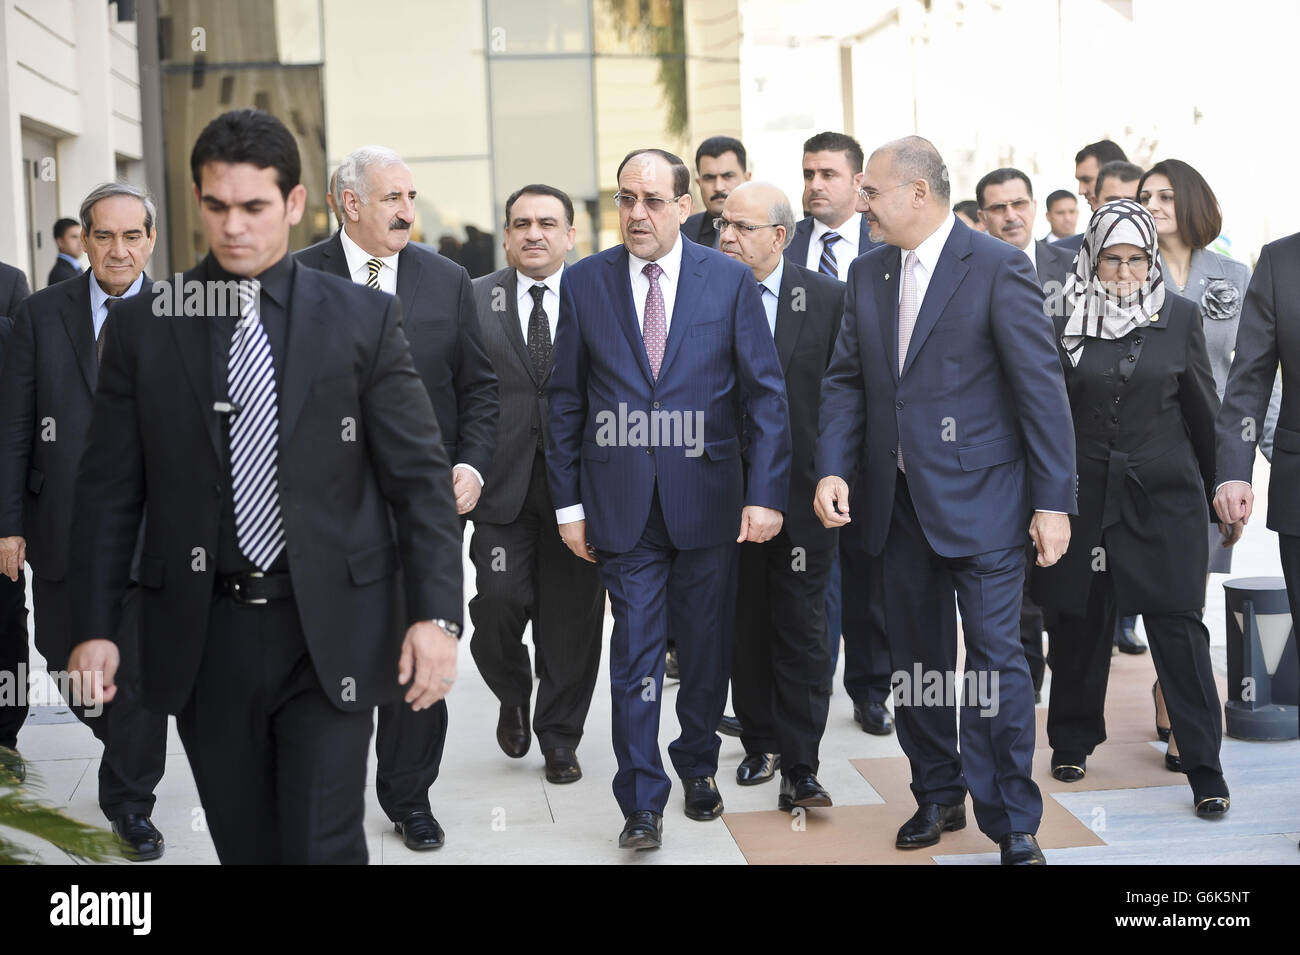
759, 524
574, 535
1051, 534
467, 489
95, 664
832, 491
1234, 502
13, 551
1231, 533
432, 652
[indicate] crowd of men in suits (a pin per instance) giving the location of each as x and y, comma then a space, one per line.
253, 522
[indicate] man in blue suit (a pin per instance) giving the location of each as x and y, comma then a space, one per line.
945, 396
660, 346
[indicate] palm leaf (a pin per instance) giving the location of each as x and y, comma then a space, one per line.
21, 810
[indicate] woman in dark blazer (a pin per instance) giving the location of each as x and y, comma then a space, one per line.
1143, 400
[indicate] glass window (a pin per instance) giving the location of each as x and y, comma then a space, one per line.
517, 27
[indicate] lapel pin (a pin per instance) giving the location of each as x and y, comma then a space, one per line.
886, 276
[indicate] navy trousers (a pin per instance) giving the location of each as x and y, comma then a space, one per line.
658, 592
997, 719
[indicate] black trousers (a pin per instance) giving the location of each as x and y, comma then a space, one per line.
866, 645
134, 738
1180, 649
1031, 626
1289, 550
524, 572
281, 771
15, 656
779, 671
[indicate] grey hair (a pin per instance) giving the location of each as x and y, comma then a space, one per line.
352, 171
916, 158
108, 190
780, 213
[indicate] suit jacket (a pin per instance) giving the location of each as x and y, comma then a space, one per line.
805, 340
1145, 445
980, 404
719, 357
1269, 332
523, 397
156, 442
13, 289
1071, 243
1054, 265
797, 250
438, 318
699, 228
62, 271
46, 396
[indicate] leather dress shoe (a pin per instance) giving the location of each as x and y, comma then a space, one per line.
140, 840
642, 830
1068, 769
730, 725
757, 768
562, 766
1127, 642
513, 733
670, 665
875, 719
420, 831
1020, 848
703, 801
1173, 763
801, 788
1214, 807
928, 822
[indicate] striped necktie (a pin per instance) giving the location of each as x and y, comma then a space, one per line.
827, 264
373, 267
254, 433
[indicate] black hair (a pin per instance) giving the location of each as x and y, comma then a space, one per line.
538, 189
249, 136
1103, 151
1057, 196
681, 175
830, 142
715, 146
997, 177
63, 225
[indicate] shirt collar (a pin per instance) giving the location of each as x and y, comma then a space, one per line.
98, 296
357, 256
275, 281
849, 230
773, 282
670, 262
551, 281
927, 253
1031, 250
69, 259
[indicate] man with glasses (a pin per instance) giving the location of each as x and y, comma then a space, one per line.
659, 347
719, 168
46, 395
1007, 209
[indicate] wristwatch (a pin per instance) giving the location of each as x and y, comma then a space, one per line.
451, 628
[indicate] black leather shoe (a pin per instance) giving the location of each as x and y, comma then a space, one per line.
562, 766
801, 788
513, 733
1068, 769
1173, 763
757, 768
140, 840
420, 831
642, 830
730, 725
928, 822
1127, 642
703, 801
1020, 848
875, 719
1215, 807
670, 665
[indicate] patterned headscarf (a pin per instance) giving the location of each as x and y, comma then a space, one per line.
1096, 312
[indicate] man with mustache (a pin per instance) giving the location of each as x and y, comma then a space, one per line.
719, 168
376, 195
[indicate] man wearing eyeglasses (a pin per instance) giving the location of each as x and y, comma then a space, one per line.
659, 346
719, 169
46, 396
1008, 209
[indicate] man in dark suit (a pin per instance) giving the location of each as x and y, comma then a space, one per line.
1062, 210
946, 361
835, 232
659, 345
14, 653
46, 396
1087, 164
780, 669
278, 446
376, 195
719, 168
70, 241
523, 570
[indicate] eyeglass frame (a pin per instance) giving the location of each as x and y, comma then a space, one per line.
645, 201
862, 190
1000, 208
720, 223
1127, 263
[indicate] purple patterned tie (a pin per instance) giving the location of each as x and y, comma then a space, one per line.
654, 327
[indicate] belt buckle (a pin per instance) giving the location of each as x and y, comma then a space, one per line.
248, 600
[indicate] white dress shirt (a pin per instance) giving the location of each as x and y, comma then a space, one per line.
927, 257
770, 291
99, 300
844, 251
550, 300
1031, 251
358, 257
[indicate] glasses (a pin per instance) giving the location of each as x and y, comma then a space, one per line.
1108, 266
1000, 208
871, 195
721, 225
654, 204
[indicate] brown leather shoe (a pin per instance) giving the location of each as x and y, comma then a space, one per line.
562, 766
514, 735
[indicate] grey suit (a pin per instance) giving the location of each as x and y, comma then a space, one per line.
523, 569
1054, 264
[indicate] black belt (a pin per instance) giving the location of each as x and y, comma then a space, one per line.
255, 587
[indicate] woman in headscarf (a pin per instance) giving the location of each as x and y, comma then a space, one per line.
1143, 400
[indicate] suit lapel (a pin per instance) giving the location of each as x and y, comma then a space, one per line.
306, 317
886, 286
788, 321
509, 318
80, 326
690, 288
192, 341
620, 293
948, 273
409, 275
333, 258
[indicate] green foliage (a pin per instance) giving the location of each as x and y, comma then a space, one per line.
22, 810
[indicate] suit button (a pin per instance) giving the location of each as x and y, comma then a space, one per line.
1132, 357
655, 405
898, 405
1114, 420
216, 489
541, 392
649, 450
1115, 400
533, 429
